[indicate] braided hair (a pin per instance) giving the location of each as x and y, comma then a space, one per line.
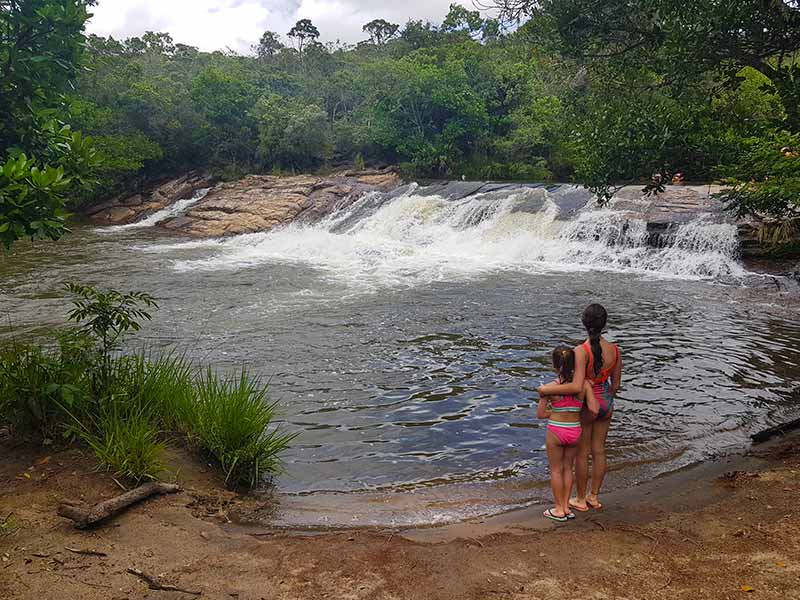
564, 363
594, 318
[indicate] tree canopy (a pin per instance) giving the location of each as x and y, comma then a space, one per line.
600, 93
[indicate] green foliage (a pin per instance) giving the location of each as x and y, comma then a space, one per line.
268, 46
125, 406
667, 86
291, 135
231, 423
772, 187
32, 200
125, 442
600, 93
380, 31
304, 33
41, 45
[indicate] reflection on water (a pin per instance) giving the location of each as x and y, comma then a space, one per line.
408, 387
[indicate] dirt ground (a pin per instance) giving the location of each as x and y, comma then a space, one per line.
697, 534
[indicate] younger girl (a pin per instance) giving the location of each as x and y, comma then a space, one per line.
564, 432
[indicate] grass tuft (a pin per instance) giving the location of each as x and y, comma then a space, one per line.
232, 425
126, 443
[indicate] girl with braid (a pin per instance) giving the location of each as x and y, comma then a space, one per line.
597, 361
564, 431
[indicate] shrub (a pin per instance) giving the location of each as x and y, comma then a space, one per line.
36, 385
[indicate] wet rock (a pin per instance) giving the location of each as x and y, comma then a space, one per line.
262, 202
131, 208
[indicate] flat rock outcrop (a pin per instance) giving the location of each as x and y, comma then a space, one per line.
129, 209
262, 202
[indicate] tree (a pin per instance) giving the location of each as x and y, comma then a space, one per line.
41, 44
380, 31
158, 43
304, 32
268, 46
224, 98
461, 19
292, 135
421, 34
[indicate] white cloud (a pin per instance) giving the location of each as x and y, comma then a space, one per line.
237, 24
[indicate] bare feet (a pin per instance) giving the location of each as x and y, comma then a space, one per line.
579, 505
593, 501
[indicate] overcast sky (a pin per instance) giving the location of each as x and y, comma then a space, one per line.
237, 24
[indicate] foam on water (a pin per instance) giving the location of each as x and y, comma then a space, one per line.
173, 210
416, 239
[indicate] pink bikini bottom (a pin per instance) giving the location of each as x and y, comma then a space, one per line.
568, 434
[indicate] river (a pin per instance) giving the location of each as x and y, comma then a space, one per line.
404, 339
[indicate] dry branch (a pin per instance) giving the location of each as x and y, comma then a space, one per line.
154, 584
86, 516
86, 552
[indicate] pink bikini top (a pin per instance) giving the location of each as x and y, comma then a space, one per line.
566, 404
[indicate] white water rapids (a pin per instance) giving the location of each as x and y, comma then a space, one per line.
414, 239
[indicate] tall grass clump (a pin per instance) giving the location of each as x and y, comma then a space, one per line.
231, 424
126, 442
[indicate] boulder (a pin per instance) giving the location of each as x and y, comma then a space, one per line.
134, 207
262, 202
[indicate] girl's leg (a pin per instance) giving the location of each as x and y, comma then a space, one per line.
599, 463
555, 455
582, 465
569, 462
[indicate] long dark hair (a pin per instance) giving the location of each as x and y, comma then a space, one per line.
594, 318
564, 363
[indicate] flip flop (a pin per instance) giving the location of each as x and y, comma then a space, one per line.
594, 505
578, 508
570, 516
548, 514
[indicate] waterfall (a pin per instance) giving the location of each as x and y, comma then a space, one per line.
412, 238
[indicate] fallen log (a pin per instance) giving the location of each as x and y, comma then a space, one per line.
85, 516
763, 436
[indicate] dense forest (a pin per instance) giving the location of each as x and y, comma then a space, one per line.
569, 90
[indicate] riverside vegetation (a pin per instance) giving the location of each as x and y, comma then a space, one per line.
126, 407
569, 90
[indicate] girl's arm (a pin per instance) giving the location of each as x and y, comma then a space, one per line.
543, 410
592, 403
574, 387
616, 375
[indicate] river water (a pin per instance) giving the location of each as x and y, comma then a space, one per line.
404, 338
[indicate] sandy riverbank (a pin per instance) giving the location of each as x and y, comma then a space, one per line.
693, 534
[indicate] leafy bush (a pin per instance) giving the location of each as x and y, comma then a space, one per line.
766, 179
36, 386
